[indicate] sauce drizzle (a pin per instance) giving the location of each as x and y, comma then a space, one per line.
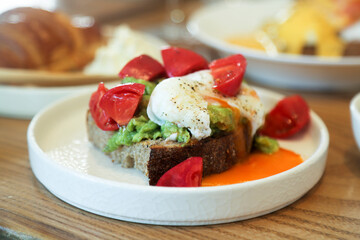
256, 166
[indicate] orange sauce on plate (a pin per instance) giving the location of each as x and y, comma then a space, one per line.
256, 166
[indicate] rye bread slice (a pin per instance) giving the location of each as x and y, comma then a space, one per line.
155, 157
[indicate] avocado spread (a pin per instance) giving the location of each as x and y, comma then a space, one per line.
266, 144
221, 119
141, 128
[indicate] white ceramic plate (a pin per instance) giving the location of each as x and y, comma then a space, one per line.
214, 23
72, 169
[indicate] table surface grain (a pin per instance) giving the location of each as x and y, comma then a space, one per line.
330, 210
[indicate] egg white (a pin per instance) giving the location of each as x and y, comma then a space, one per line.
181, 100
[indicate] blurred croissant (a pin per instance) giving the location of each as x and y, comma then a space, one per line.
33, 38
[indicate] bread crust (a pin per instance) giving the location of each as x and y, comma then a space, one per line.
155, 157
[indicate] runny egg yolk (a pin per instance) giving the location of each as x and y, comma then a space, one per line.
256, 166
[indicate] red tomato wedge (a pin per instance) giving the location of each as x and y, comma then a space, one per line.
181, 61
120, 102
143, 67
102, 120
288, 117
228, 74
186, 174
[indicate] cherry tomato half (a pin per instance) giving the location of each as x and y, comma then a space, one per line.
181, 61
120, 102
228, 74
288, 117
186, 174
143, 67
102, 120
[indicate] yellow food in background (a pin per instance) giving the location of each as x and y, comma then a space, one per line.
258, 40
309, 23
247, 41
308, 27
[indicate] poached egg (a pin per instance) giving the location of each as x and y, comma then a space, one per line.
184, 100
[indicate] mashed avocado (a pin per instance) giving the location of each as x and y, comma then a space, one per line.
266, 144
170, 129
141, 128
221, 119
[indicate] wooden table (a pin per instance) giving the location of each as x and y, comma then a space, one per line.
331, 210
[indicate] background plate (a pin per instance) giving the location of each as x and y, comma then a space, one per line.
215, 23
72, 169
24, 92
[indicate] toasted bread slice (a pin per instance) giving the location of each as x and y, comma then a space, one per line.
155, 157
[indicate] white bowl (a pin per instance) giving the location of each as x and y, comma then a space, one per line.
214, 23
355, 117
69, 166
